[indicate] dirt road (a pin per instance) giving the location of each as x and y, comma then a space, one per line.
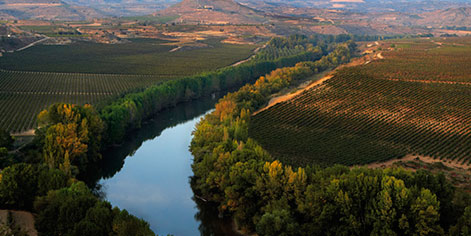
426, 159
287, 97
32, 44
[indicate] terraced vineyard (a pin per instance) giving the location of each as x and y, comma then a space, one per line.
24, 94
415, 101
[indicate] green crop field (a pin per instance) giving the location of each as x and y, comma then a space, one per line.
24, 94
152, 19
87, 73
415, 101
141, 56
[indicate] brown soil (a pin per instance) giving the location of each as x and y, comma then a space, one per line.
429, 81
287, 97
25, 133
410, 157
248, 59
23, 219
355, 62
33, 4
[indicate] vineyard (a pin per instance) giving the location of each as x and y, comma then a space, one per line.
139, 56
24, 94
88, 73
415, 101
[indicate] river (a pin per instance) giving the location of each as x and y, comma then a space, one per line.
149, 175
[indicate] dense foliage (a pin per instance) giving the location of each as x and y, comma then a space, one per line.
6, 144
299, 44
71, 136
21, 183
75, 211
416, 100
270, 198
129, 111
64, 206
6, 141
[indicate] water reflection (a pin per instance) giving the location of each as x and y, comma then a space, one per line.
149, 175
211, 225
113, 158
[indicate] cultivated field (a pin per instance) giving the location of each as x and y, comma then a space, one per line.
141, 56
414, 101
90, 73
24, 94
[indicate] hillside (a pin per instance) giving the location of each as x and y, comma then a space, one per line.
412, 100
125, 7
212, 12
365, 6
46, 10
448, 17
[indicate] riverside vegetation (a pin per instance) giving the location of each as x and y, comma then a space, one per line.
43, 75
44, 177
269, 198
414, 101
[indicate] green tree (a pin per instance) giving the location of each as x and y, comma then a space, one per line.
125, 224
6, 140
72, 136
18, 186
463, 226
425, 214
278, 222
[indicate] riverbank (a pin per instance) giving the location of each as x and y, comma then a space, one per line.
91, 131
229, 167
268, 198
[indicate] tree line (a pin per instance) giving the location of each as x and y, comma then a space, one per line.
44, 177
128, 112
269, 198
45, 182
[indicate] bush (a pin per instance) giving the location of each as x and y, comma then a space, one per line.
21, 183
76, 211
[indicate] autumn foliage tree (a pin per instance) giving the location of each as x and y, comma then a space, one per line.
72, 136
269, 198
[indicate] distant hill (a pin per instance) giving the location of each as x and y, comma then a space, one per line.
213, 12
407, 6
125, 7
448, 17
46, 10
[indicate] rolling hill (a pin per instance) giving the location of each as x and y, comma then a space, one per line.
408, 6
213, 12
46, 10
448, 17
125, 7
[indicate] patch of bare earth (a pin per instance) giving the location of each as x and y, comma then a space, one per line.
304, 87
287, 97
22, 219
411, 157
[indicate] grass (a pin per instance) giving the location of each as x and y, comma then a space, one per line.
414, 101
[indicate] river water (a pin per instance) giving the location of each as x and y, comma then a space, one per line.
149, 175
